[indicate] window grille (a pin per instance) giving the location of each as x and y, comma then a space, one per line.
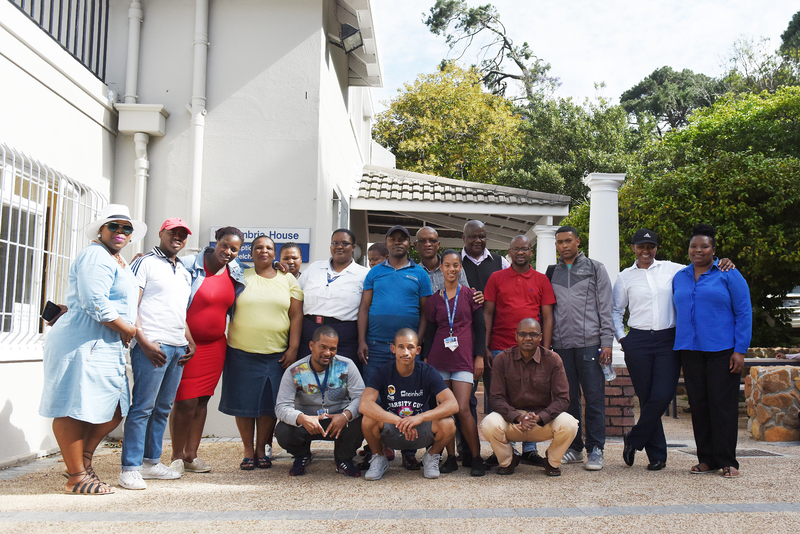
41, 231
79, 26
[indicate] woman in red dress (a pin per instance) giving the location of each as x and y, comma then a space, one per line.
216, 281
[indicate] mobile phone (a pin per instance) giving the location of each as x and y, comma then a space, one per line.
51, 311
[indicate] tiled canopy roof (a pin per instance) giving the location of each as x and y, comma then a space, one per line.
381, 183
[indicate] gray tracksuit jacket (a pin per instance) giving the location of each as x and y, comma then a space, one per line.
584, 300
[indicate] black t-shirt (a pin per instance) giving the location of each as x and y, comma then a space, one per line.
406, 395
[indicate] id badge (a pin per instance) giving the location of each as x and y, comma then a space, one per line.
322, 413
451, 343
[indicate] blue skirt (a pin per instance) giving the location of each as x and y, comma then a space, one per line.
250, 383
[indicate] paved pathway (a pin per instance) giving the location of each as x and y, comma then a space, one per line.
472, 513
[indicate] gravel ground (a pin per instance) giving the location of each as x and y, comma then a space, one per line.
226, 488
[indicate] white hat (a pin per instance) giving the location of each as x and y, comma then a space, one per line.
116, 212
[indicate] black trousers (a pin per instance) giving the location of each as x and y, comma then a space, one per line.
348, 340
714, 398
654, 369
297, 441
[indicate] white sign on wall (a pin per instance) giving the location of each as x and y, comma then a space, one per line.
301, 236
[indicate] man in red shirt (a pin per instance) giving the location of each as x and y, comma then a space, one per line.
513, 294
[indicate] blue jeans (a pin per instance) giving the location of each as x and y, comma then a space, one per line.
154, 391
584, 373
380, 353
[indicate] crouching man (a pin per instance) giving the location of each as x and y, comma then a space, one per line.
318, 399
403, 419
530, 395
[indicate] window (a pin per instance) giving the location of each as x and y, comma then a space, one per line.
41, 230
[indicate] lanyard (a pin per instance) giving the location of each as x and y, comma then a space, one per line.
451, 317
316, 377
331, 279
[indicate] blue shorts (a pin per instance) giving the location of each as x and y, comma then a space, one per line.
250, 383
458, 376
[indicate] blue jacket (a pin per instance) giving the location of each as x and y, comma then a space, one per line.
196, 267
714, 313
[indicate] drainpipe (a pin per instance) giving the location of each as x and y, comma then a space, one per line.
198, 111
142, 165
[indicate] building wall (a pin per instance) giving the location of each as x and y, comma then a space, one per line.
57, 112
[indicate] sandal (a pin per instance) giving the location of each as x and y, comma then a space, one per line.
698, 469
247, 464
89, 485
729, 472
89, 469
263, 462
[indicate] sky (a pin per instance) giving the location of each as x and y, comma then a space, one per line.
616, 42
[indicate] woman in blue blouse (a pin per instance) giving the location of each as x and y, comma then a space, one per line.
713, 329
85, 385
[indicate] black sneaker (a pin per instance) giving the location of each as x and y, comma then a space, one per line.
411, 463
478, 467
300, 464
449, 465
347, 468
466, 461
491, 461
532, 458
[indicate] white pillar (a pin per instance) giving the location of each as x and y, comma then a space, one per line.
604, 219
545, 246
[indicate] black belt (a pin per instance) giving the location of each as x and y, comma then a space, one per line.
321, 319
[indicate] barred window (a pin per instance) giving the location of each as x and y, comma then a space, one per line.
41, 231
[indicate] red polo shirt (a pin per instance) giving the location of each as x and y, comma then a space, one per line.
516, 297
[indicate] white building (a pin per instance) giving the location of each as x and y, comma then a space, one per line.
243, 112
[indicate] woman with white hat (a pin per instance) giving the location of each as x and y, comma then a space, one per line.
85, 385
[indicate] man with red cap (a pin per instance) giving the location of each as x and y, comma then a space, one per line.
163, 345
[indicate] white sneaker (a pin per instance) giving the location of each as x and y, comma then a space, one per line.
268, 452
377, 467
158, 471
132, 480
196, 466
595, 461
572, 457
177, 466
430, 465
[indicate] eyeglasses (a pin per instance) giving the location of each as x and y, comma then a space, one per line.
127, 229
516, 250
427, 241
344, 244
529, 335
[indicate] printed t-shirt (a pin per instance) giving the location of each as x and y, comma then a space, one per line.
395, 299
516, 297
261, 321
406, 395
440, 357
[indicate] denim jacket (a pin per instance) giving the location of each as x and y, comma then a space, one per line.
196, 267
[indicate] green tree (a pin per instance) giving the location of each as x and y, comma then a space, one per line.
790, 39
562, 142
503, 61
734, 166
670, 96
753, 67
445, 124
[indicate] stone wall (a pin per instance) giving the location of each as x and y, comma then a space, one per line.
773, 403
619, 403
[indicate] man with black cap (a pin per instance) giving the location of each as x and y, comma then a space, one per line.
394, 297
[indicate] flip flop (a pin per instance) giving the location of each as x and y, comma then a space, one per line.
696, 470
263, 462
247, 464
727, 473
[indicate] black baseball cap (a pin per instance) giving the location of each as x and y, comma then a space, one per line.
644, 236
396, 228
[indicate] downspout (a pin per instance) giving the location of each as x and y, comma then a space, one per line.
198, 111
142, 165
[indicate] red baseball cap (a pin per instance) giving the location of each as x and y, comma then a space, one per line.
175, 222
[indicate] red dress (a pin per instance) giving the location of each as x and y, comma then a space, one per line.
207, 319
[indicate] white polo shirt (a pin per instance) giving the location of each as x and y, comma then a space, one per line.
332, 294
166, 288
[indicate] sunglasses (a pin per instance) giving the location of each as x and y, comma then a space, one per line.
127, 229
